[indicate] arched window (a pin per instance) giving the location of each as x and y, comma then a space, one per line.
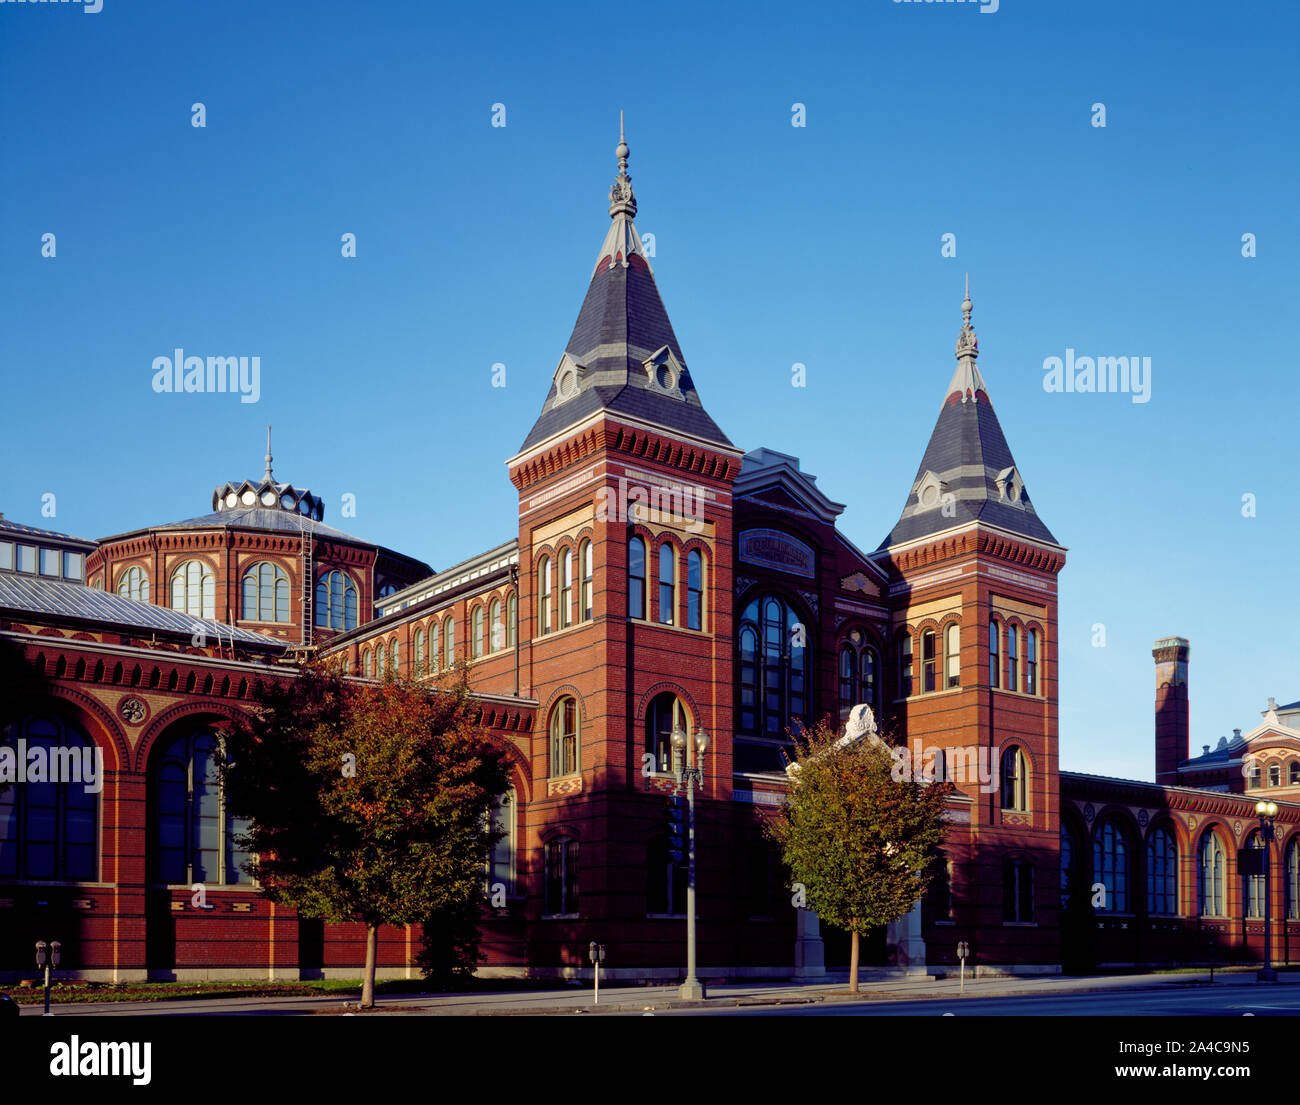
512, 620
562, 877
496, 627
266, 593
449, 643
501, 862
667, 584
476, 632
1209, 885
664, 713
586, 575
1275, 775
1069, 865
848, 684
1110, 866
1291, 875
417, 645
995, 662
1293, 774
940, 890
665, 880
859, 666
1162, 872
134, 584
543, 596
928, 661
1252, 886
386, 590
1253, 776
435, 645
1013, 662
336, 601
367, 666
952, 653
636, 578
775, 694
381, 661
194, 590
49, 830
1031, 662
565, 738
566, 589
196, 835
1017, 891
394, 668
1015, 779
905, 665
694, 590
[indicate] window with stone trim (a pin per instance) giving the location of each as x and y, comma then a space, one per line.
565, 737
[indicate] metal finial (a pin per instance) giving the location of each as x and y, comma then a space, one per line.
268, 453
621, 198
966, 303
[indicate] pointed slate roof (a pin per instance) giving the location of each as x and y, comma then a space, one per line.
623, 355
967, 473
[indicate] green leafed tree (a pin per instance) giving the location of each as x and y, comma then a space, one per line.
862, 843
368, 802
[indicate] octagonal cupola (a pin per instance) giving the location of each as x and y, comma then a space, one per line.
267, 494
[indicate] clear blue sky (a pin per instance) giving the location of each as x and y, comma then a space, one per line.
774, 245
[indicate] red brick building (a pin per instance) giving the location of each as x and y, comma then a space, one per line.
657, 577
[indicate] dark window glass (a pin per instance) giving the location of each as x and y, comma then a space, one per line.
636, 578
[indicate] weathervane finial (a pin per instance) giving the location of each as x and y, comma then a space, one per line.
621, 199
268, 453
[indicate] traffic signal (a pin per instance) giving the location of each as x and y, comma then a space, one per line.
677, 829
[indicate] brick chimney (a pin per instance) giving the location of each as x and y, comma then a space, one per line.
1172, 717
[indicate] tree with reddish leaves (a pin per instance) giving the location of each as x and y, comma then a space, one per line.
368, 802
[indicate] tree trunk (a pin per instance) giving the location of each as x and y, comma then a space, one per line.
368, 980
853, 962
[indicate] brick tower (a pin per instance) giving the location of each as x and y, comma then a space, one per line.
625, 554
973, 603
1172, 715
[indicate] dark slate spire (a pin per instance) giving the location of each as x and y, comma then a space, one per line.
967, 473
623, 355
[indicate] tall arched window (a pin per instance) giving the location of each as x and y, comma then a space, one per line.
636, 578
565, 738
449, 643
543, 596
664, 713
694, 590
667, 584
585, 571
1253, 776
1162, 872
367, 664
476, 632
496, 627
49, 830
995, 661
566, 589
952, 654
562, 877
134, 584
1275, 775
1069, 865
417, 645
1252, 886
775, 693
905, 665
194, 590
512, 620
1013, 661
266, 593
381, 661
1017, 891
1291, 875
336, 601
1209, 884
859, 667
1110, 866
929, 661
1015, 779
394, 669
435, 645
501, 862
195, 834
1031, 662
1293, 774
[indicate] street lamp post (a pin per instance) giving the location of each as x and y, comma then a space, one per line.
1267, 811
692, 989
